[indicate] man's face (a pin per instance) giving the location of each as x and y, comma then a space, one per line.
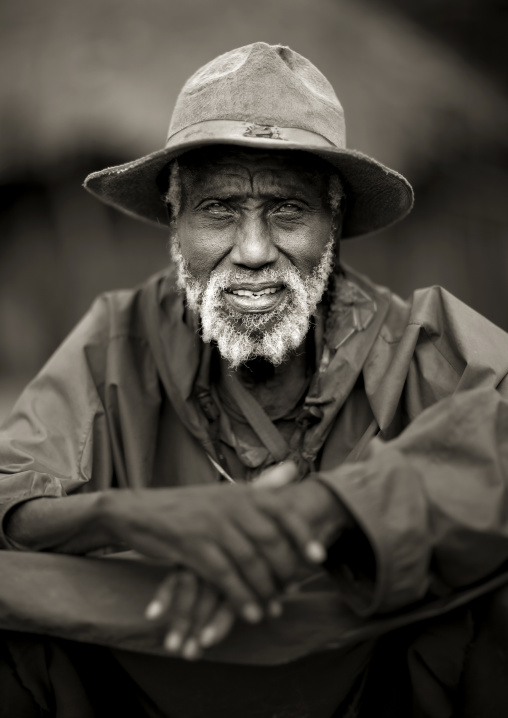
253, 244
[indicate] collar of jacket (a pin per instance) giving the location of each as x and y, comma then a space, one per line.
355, 311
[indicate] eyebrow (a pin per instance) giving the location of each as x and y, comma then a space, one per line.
277, 193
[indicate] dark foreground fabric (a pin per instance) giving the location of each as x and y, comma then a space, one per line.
312, 687
42, 677
452, 666
96, 655
64, 679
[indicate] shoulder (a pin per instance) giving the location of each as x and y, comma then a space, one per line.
428, 347
123, 312
440, 315
431, 306
465, 336
433, 322
115, 332
128, 314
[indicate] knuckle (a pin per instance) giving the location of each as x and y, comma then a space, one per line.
259, 575
223, 572
234, 587
264, 499
187, 579
299, 529
269, 537
180, 623
247, 557
165, 588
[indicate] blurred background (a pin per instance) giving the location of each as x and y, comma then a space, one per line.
84, 85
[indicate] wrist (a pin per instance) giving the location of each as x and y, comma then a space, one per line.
14, 523
67, 524
107, 515
324, 510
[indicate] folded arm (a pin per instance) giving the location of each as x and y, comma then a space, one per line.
432, 505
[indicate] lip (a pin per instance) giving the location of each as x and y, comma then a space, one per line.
253, 286
250, 305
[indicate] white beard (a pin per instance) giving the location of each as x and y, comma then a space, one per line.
271, 335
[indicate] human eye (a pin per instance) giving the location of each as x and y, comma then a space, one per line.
217, 209
288, 209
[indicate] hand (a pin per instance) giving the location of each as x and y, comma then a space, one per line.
311, 503
223, 534
197, 615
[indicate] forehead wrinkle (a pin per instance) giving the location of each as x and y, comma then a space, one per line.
237, 180
220, 184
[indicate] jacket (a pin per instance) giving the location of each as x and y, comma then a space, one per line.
411, 435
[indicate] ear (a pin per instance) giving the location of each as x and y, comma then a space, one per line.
337, 222
170, 185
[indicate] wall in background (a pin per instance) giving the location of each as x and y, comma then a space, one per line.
86, 85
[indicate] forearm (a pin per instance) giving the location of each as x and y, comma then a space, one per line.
72, 524
432, 504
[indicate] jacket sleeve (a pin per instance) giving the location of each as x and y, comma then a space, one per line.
432, 503
47, 445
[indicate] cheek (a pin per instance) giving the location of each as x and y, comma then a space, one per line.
202, 249
305, 247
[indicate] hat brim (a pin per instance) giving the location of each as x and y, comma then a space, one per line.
377, 196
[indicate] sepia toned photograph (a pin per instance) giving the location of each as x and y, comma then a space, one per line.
254, 359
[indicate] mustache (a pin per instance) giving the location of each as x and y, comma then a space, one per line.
241, 337
226, 278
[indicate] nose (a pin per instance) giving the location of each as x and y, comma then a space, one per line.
253, 246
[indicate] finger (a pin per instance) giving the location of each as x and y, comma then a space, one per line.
185, 595
216, 566
218, 626
281, 556
251, 562
206, 605
162, 598
204, 610
276, 505
277, 476
210, 561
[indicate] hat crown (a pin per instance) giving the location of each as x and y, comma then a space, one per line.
259, 96
264, 85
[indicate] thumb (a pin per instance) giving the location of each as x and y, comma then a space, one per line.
276, 476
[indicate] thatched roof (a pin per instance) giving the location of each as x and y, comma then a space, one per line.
104, 74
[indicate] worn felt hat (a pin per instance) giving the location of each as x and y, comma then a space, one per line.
262, 96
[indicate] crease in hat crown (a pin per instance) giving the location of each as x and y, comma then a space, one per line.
259, 96
262, 84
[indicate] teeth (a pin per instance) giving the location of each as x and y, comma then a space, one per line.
248, 293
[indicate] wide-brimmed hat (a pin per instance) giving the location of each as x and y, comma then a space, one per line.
261, 96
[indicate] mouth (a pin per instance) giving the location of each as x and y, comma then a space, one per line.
255, 298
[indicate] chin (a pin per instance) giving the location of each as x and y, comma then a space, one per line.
270, 336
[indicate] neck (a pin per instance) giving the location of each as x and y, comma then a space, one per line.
277, 388
260, 371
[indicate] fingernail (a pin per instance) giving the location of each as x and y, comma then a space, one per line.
173, 641
315, 552
190, 650
207, 637
252, 613
275, 609
153, 610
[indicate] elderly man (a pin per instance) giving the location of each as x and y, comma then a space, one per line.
255, 411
